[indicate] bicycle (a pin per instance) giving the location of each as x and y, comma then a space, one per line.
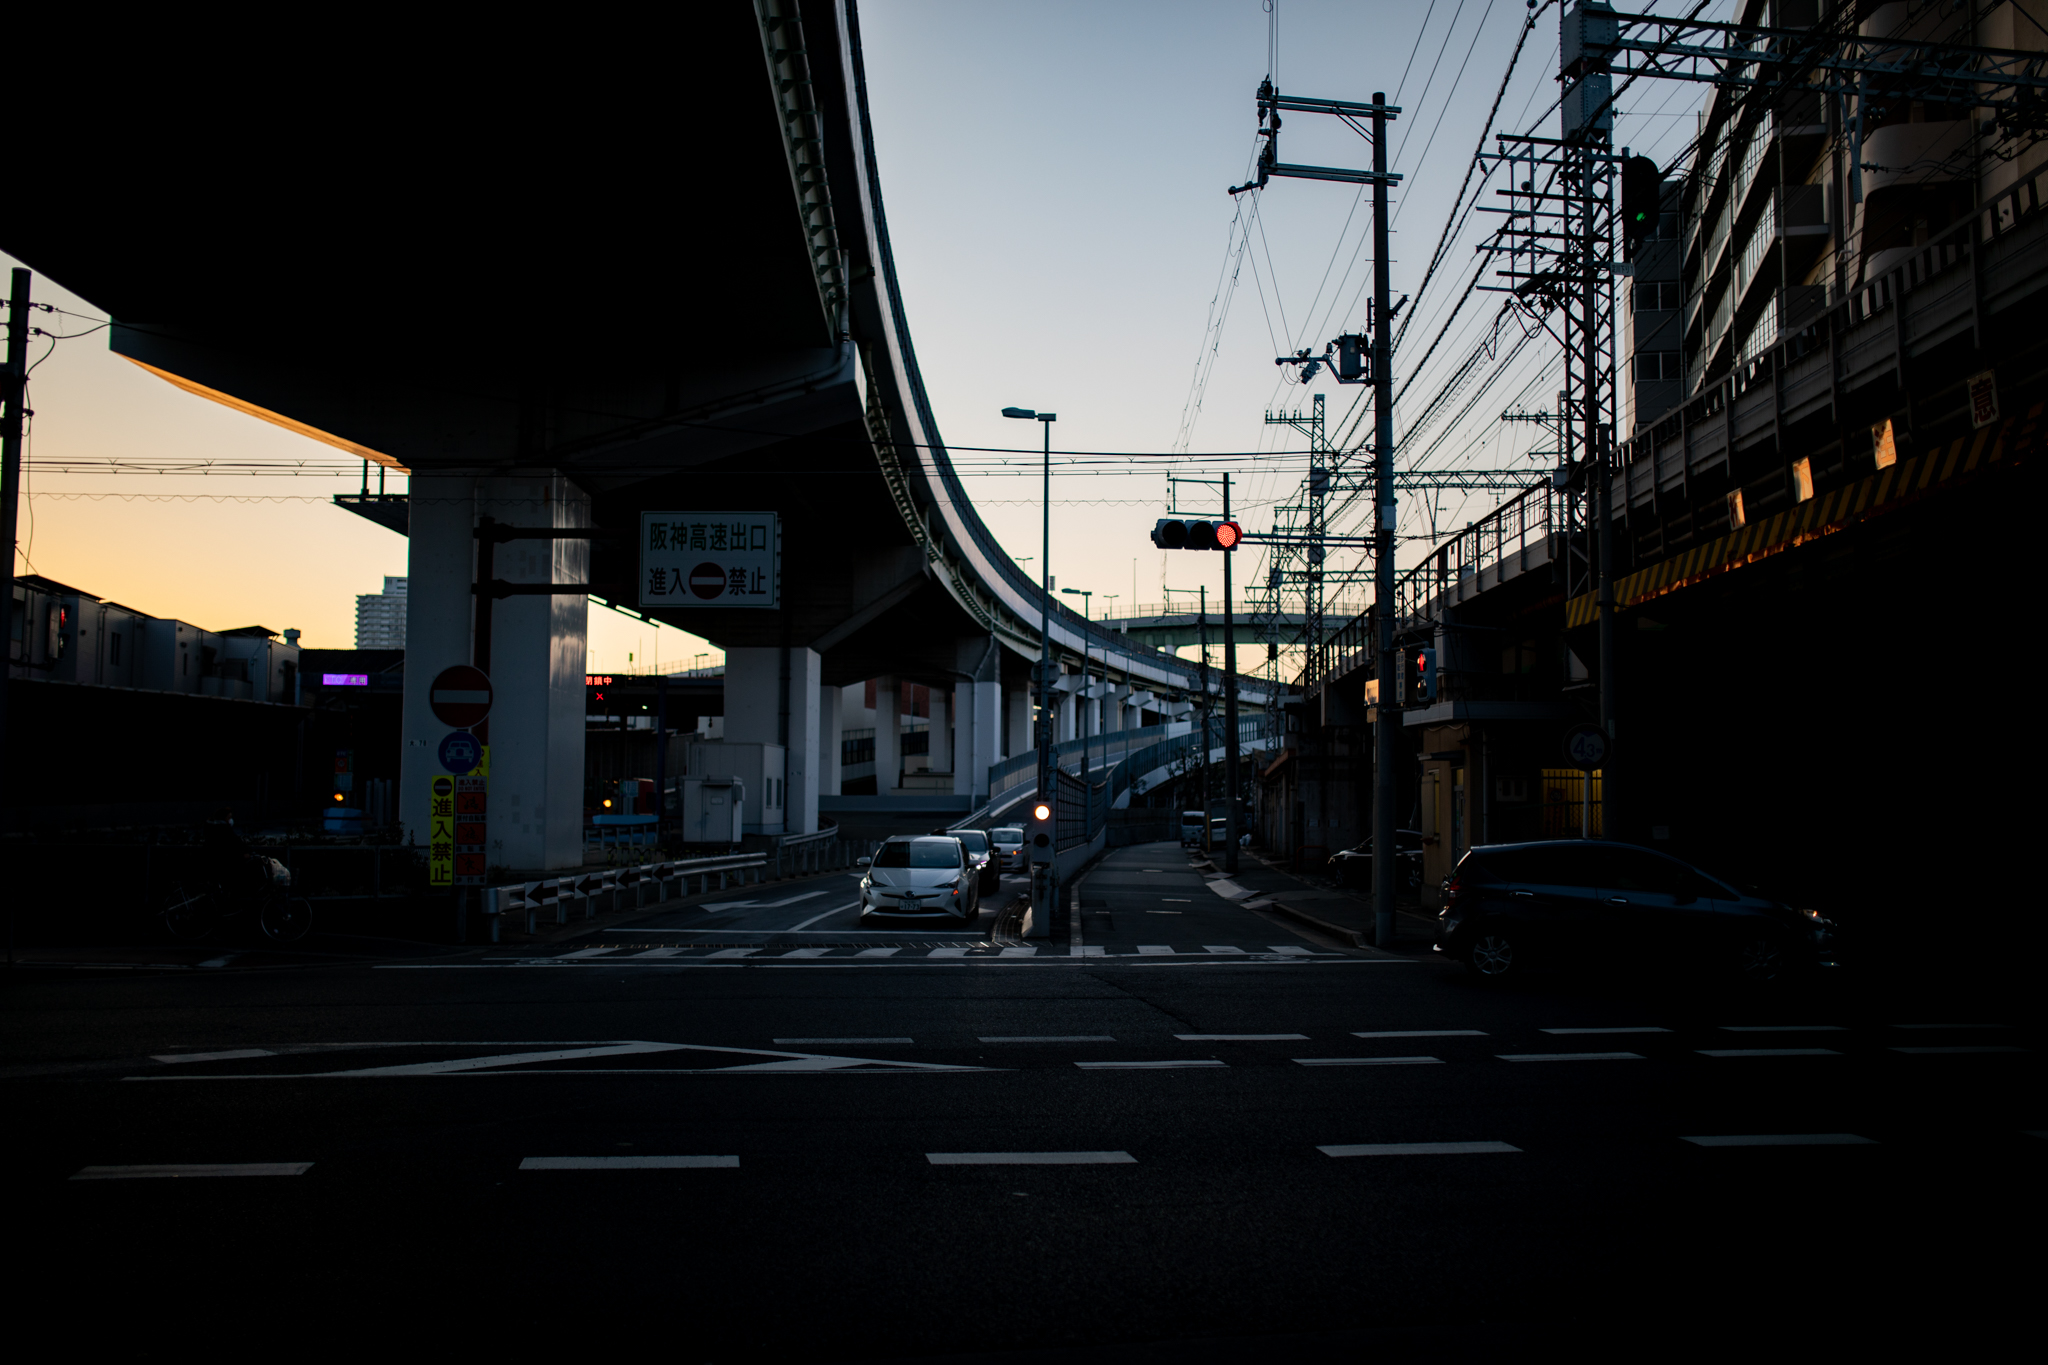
197, 907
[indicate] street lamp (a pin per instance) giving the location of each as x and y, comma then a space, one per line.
1041, 922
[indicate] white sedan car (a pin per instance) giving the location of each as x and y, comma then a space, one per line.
1009, 842
923, 877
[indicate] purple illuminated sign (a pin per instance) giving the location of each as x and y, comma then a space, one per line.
344, 680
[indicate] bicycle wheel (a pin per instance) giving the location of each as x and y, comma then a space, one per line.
190, 912
285, 919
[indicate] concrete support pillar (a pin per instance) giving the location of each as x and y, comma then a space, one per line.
1068, 712
829, 752
888, 735
940, 753
536, 664
771, 697
977, 736
1019, 723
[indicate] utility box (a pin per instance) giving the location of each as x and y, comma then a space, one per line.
713, 810
758, 768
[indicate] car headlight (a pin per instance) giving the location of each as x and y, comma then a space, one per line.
1816, 916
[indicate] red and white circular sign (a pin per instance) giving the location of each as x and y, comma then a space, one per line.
707, 580
460, 696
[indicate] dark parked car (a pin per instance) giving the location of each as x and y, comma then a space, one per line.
1509, 905
1353, 866
982, 851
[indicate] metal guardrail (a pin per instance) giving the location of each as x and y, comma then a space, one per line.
611, 884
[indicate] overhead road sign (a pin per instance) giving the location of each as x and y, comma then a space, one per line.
710, 559
460, 696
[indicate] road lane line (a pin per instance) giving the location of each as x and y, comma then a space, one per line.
1783, 1028
628, 1163
1767, 1052
1148, 1066
788, 1042
1570, 1056
1425, 1033
823, 914
1052, 1038
1184, 900
769, 905
1242, 1037
1366, 1061
1647, 1028
587, 952
192, 1171
1229, 889
236, 1054
1782, 1140
1416, 1148
1030, 1158
1952, 1051
461, 1064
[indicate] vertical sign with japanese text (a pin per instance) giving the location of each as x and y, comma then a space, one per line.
710, 559
441, 832
471, 803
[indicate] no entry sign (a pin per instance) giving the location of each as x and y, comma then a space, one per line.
710, 559
460, 696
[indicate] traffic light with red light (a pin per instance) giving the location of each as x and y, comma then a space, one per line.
1170, 533
1418, 677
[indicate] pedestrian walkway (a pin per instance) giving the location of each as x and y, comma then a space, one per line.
1261, 883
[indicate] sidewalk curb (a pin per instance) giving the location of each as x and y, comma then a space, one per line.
1336, 931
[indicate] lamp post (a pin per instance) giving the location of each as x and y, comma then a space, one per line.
1044, 889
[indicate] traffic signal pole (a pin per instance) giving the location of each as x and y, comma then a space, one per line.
1229, 706
1045, 875
1388, 716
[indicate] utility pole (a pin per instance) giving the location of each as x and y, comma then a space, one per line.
14, 390
1229, 706
1387, 717
1044, 864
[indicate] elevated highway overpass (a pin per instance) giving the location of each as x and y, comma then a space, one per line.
603, 272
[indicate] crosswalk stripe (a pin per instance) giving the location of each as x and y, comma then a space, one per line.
1221, 948
1154, 950
627, 1163
1030, 1158
192, 1171
1416, 1148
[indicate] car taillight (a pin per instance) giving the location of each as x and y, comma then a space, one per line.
1453, 888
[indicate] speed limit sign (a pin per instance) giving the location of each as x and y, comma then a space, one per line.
1585, 746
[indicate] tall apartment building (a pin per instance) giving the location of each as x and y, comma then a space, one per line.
1790, 204
380, 617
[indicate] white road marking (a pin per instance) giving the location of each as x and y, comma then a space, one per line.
1570, 1056
947, 952
1030, 1158
823, 914
807, 952
878, 952
1366, 1061
1783, 1140
1782, 1028
1154, 950
734, 952
1166, 912
1025, 951
766, 905
1184, 900
1053, 1038
587, 952
659, 952
193, 1171
1647, 1028
1425, 1033
627, 1163
1290, 950
1767, 1052
1229, 889
1242, 1037
1416, 1148
1952, 1026
1222, 948
1147, 1066
1948, 1051
460, 1064
175, 1057
1086, 950
839, 1042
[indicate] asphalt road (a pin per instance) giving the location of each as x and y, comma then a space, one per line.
739, 1132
